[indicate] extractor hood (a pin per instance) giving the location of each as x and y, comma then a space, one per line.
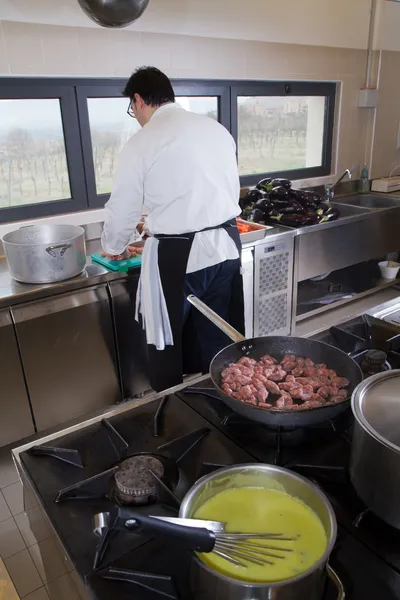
114, 13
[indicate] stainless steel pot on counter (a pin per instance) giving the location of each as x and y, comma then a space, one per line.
45, 253
375, 452
208, 583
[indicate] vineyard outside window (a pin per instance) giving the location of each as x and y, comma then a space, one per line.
277, 134
33, 164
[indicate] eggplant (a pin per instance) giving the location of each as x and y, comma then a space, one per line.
296, 194
323, 208
313, 197
289, 207
265, 204
312, 218
292, 209
278, 204
287, 220
307, 203
251, 197
282, 183
257, 216
278, 193
248, 209
265, 184
331, 215
297, 207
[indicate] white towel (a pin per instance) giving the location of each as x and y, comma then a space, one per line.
150, 300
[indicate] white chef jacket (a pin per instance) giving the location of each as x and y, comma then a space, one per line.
181, 169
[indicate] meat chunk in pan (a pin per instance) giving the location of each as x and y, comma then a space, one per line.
294, 383
284, 401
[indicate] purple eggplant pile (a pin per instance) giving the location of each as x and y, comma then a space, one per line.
274, 201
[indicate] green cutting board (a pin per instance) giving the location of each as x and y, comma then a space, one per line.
118, 265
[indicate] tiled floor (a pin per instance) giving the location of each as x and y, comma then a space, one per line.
31, 553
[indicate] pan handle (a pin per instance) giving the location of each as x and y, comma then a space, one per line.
230, 331
198, 539
334, 577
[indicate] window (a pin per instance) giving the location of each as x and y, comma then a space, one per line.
279, 134
60, 138
33, 161
41, 167
283, 129
207, 106
110, 129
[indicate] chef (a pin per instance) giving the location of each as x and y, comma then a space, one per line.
180, 170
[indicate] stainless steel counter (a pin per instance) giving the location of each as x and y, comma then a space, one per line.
360, 234
322, 245
12, 292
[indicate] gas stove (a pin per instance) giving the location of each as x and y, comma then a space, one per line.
177, 439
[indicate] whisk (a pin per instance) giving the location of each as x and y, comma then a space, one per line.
238, 547
210, 536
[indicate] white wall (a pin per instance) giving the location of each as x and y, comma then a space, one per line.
340, 23
388, 37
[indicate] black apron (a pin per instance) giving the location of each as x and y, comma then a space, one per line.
167, 366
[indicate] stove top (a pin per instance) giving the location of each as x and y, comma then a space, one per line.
180, 438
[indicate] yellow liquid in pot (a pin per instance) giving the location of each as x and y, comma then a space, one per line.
259, 510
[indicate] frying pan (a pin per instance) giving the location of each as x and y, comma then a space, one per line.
278, 346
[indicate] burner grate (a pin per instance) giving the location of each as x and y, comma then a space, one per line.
141, 478
160, 585
67, 455
89, 489
118, 443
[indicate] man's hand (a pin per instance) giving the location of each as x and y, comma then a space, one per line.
140, 226
125, 254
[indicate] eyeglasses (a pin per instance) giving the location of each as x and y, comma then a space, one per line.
130, 111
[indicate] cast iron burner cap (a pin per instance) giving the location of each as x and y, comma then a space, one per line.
134, 480
375, 361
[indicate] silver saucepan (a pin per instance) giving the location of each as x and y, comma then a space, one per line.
206, 582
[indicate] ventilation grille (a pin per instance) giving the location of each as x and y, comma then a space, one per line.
272, 314
272, 300
274, 272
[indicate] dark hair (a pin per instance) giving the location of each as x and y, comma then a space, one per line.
152, 85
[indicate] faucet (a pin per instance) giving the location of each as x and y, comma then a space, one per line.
347, 172
330, 187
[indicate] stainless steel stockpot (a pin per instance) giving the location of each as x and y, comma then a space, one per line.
45, 253
375, 450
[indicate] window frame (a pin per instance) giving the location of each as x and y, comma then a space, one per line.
289, 88
43, 89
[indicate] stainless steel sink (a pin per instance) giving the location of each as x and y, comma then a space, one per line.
348, 210
369, 201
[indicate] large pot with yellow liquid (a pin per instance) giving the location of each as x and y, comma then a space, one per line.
207, 581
